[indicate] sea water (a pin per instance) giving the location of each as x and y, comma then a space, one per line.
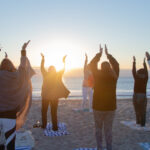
74, 84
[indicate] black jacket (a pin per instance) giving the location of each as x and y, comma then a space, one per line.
104, 96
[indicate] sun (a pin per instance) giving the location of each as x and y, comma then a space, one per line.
55, 50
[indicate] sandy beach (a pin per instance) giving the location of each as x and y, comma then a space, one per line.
81, 127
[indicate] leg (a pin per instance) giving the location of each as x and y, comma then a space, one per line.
45, 104
98, 117
54, 107
2, 147
84, 94
108, 121
90, 95
135, 104
143, 111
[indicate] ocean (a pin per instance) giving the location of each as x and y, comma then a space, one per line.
74, 84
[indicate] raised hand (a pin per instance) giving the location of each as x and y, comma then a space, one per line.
25, 45
64, 58
100, 49
134, 59
106, 50
42, 55
6, 56
147, 55
86, 57
144, 61
23, 51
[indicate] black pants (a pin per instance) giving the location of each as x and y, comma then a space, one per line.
140, 104
54, 106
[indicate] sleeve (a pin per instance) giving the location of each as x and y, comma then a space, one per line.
93, 64
134, 70
43, 71
146, 71
114, 64
25, 70
85, 65
148, 62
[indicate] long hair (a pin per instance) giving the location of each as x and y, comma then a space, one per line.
7, 65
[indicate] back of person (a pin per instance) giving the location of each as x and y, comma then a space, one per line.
49, 82
104, 97
140, 84
140, 78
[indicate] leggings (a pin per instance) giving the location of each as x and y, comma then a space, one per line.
104, 119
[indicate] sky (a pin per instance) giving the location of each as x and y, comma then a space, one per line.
75, 27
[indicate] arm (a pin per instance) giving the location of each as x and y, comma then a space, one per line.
148, 58
134, 67
25, 69
113, 62
23, 62
85, 63
43, 71
145, 68
94, 61
61, 72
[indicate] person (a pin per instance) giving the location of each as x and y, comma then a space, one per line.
87, 86
52, 89
15, 97
104, 96
139, 97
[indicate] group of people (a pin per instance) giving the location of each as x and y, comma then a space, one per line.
98, 84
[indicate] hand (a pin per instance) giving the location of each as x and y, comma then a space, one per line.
23, 51
147, 55
42, 55
86, 57
64, 58
134, 59
25, 45
144, 61
6, 56
106, 50
100, 49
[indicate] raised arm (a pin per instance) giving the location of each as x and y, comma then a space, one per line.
61, 72
43, 71
85, 63
148, 58
134, 67
94, 62
113, 62
145, 68
23, 62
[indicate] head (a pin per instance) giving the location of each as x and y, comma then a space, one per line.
51, 69
7, 65
141, 73
105, 66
